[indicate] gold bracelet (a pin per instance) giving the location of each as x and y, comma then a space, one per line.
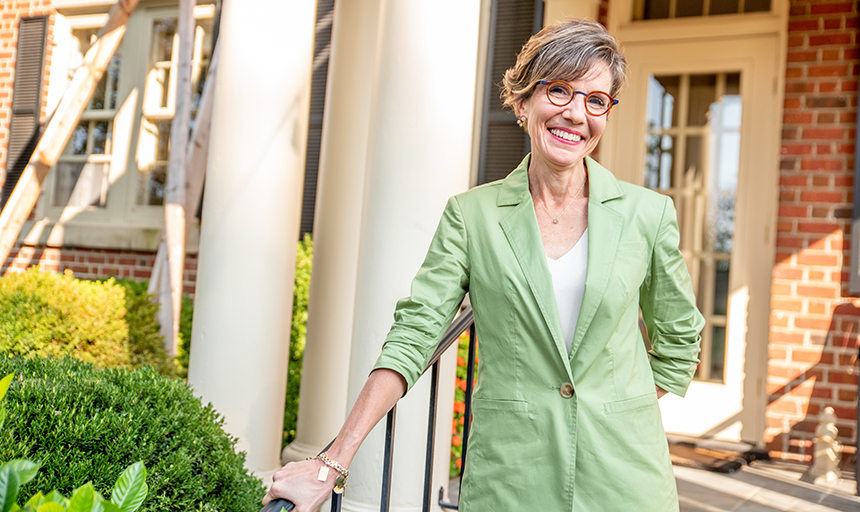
340, 481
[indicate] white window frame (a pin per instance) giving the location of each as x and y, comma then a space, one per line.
121, 223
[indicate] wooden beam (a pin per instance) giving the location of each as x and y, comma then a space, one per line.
61, 126
174, 204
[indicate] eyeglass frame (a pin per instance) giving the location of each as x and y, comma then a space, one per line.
612, 101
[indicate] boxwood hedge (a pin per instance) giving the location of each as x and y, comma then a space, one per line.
84, 424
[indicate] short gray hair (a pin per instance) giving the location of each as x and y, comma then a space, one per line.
567, 51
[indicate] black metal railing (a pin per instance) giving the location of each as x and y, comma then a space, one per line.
464, 321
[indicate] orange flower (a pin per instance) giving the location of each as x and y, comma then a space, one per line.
454, 425
462, 420
462, 384
456, 441
459, 463
459, 407
461, 361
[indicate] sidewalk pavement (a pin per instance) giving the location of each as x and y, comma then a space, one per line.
762, 487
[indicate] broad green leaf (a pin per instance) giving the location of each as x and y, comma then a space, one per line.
82, 500
130, 488
110, 507
50, 507
36, 500
26, 469
4, 384
55, 496
8, 489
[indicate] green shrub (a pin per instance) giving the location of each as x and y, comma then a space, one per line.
86, 424
301, 289
127, 496
145, 341
45, 314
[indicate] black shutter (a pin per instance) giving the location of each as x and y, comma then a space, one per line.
503, 143
322, 51
24, 129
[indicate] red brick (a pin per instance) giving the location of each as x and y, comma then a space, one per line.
830, 8
784, 227
774, 353
794, 211
822, 164
847, 395
793, 338
828, 39
826, 292
816, 196
798, 149
784, 405
821, 181
824, 133
794, 181
795, 40
845, 413
822, 260
818, 227
799, 87
790, 242
803, 56
839, 377
847, 341
819, 71
791, 103
798, 26
821, 324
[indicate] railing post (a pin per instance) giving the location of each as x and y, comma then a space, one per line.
388, 462
431, 436
470, 382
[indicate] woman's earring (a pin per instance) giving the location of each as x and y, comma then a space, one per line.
521, 121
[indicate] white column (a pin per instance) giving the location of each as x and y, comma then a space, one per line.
251, 220
419, 155
337, 224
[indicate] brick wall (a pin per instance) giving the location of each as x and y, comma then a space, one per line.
10, 14
95, 263
814, 322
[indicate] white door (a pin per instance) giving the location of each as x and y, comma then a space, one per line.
699, 123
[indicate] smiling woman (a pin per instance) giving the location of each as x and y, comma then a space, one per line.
557, 259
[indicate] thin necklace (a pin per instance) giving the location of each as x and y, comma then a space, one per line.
555, 220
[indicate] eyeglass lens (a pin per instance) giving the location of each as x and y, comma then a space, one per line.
560, 94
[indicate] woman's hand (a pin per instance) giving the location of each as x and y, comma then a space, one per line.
297, 482
660, 392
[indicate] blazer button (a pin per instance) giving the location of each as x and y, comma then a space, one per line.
566, 390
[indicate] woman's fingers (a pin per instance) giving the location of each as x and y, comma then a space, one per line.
299, 482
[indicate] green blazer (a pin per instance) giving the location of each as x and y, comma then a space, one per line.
553, 432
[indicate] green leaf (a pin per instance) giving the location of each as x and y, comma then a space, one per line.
82, 500
26, 469
130, 488
8, 489
4, 384
55, 496
50, 507
110, 507
36, 500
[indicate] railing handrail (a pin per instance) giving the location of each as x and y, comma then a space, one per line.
463, 321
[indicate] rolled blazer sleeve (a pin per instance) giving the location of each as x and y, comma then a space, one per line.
669, 310
421, 319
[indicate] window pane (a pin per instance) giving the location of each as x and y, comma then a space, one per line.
150, 189
163, 30
656, 9
756, 5
723, 7
703, 92
101, 137
685, 8
80, 184
718, 354
662, 95
78, 143
721, 287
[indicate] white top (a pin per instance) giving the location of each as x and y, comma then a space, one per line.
568, 282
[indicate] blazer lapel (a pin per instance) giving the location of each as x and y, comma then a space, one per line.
523, 235
604, 235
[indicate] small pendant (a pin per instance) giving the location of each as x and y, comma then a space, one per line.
555, 221
323, 474
339, 484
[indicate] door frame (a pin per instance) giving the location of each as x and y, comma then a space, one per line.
761, 60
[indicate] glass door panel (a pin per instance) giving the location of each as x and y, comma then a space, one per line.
693, 156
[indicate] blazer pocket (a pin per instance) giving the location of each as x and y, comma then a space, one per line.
630, 404
515, 406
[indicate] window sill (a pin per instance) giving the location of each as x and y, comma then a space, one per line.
99, 236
